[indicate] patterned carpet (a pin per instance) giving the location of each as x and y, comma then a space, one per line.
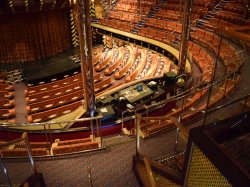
110, 167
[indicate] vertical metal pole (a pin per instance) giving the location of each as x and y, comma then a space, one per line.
92, 129
189, 164
46, 136
6, 172
185, 36
177, 136
30, 155
90, 177
138, 119
100, 130
50, 136
85, 41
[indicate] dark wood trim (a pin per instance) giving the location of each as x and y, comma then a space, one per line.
163, 171
230, 171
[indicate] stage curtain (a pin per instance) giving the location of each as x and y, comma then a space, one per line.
26, 37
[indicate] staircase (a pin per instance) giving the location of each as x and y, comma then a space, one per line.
170, 160
152, 13
141, 171
210, 14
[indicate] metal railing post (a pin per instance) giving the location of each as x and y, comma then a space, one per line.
6, 172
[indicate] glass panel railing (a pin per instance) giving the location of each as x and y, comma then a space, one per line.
13, 174
48, 142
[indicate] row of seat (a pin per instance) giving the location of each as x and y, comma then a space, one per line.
117, 24
6, 87
53, 93
6, 114
104, 62
227, 52
112, 68
45, 148
131, 6
124, 16
6, 99
6, 95
214, 23
161, 24
159, 35
6, 103
229, 17
123, 70
234, 7
140, 65
173, 15
54, 102
53, 85
53, 113
198, 10
126, 8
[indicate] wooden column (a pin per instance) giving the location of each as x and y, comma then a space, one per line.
138, 7
185, 36
85, 41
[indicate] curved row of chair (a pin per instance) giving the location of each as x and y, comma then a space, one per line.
53, 85
231, 17
169, 26
53, 113
46, 149
6, 87
6, 100
214, 23
6, 114
6, 103
103, 64
160, 35
123, 70
124, 16
53, 93
111, 69
227, 51
118, 24
49, 104
140, 64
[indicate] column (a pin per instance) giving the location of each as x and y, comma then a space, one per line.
138, 7
185, 36
85, 41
